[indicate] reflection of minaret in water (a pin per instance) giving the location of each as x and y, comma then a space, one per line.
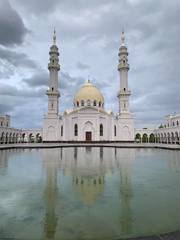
51, 191
50, 197
125, 191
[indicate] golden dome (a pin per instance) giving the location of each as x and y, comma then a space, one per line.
89, 92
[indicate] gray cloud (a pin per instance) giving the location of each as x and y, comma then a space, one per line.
69, 82
66, 81
23, 105
12, 28
5, 70
82, 66
16, 59
38, 7
39, 79
7, 90
5, 108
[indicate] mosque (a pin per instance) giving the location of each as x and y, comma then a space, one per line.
88, 120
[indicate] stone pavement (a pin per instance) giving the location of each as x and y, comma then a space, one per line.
170, 236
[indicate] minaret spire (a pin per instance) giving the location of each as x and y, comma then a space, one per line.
122, 38
54, 37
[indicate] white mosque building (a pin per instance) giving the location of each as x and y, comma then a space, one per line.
88, 120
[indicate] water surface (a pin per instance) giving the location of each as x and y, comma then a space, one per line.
88, 193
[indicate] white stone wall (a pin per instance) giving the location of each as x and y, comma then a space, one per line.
88, 119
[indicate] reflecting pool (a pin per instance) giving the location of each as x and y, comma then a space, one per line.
88, 193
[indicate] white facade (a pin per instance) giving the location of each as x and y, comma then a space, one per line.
88, 120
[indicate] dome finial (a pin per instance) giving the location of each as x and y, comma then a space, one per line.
88, 79
54, 36
122, 38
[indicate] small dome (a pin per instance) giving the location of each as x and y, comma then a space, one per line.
89, 92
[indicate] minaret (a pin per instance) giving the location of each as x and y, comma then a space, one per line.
53, 66
123, 69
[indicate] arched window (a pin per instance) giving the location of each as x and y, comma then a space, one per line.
52, 89
124, 89
61, 131
101, 130
173, 124
75, 130
77, 104
151, 138
94, 103
115, 130
82, 102
88, 102
177, 123
145, 138
99, 104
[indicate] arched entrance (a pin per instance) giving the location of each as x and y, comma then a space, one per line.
88, 131
88, 136
51, 134
125, 133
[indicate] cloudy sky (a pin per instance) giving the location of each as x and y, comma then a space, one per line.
88, 37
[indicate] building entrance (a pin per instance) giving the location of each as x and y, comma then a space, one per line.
88, 136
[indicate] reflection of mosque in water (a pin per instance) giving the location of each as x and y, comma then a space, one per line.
89, 169
90, 174
4, 159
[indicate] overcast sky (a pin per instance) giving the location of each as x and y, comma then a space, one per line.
88, 37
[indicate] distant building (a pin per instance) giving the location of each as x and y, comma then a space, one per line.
168, 132
4, 121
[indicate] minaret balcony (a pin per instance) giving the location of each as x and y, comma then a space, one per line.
123, 93
122, 66
123, 51
54, 66
53, 93
54, 50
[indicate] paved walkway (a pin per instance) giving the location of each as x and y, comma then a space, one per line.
75, 144
170, 236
